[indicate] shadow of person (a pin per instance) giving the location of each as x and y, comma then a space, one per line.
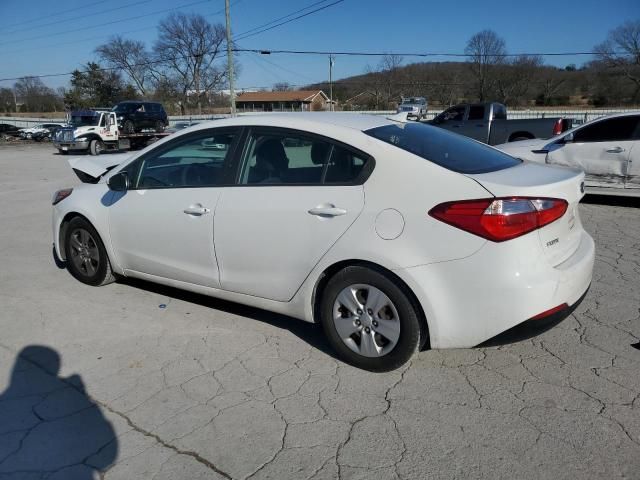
49, 427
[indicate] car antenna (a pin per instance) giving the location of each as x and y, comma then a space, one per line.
399, 117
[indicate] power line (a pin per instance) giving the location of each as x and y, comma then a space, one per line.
309, 52
242, 37
86, 39
70, 19
281, 18
91, 27
408, 54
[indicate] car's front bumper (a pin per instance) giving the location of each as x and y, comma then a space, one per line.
79, 144
471, 300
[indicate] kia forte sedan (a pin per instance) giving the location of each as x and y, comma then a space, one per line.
392, 235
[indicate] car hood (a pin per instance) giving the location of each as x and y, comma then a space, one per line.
96, 167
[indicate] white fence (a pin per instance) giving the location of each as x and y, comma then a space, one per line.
578, 115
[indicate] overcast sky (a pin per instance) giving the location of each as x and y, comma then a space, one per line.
44, 36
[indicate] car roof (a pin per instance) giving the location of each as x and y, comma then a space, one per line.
308, 120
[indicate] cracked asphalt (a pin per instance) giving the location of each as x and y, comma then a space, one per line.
103, 383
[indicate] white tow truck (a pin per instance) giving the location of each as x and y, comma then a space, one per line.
96, 131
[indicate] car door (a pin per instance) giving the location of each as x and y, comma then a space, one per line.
475, 126
163, 224
602, 149
296, 194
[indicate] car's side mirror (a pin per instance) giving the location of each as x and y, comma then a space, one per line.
119, 182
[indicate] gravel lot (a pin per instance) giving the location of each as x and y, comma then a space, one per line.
104, 379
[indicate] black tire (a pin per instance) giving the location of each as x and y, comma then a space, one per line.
82, 242
520, 137
62, 152
409, 319
128, 127
159, 126
96, 146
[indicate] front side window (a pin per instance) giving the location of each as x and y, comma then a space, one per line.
199, 160
449, 150
609, 130
453, 114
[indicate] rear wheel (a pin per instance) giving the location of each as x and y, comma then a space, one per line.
96, 147
369, 320
85, 254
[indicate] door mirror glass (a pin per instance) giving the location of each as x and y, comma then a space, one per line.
119, 182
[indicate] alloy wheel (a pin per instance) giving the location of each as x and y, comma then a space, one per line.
84, 252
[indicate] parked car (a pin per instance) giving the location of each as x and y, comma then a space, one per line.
487, 123
180, 126
8, 129
135, 116
40, 129
607, 149
391, 235
416, 107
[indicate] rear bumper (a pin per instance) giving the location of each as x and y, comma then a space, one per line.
471, 300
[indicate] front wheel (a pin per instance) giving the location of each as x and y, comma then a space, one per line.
85, 254
96, 147
369, 320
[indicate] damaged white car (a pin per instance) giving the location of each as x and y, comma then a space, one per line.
607, 149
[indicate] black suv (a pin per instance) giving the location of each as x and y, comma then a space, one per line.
135, 116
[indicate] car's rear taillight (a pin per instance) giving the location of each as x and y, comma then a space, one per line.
558, 127
500, 219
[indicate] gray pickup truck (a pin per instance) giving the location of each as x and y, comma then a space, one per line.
487, 122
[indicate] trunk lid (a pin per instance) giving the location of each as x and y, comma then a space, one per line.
561, 238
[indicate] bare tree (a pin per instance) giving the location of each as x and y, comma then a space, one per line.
132, 57
390, 68
7, 100
36, 96
486, 50
621, 51
514, 79
282, 87
190, 49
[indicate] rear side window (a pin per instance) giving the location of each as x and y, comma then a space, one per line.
609, 130
449, 150
476, 112
286, 157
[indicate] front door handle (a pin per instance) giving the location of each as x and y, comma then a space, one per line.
615, 150
196, 210
327, 211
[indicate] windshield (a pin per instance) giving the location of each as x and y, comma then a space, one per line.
84, 120
449, 150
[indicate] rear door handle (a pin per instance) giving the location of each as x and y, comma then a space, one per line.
196, 210
615, 150
327, 211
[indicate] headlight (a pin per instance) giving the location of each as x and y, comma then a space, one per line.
61, 195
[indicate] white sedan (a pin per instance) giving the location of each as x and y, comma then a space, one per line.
607, 149
392, 235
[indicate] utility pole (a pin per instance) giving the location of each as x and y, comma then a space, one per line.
232, 92
331, 60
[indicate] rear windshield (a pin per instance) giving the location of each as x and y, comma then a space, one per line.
449, 150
